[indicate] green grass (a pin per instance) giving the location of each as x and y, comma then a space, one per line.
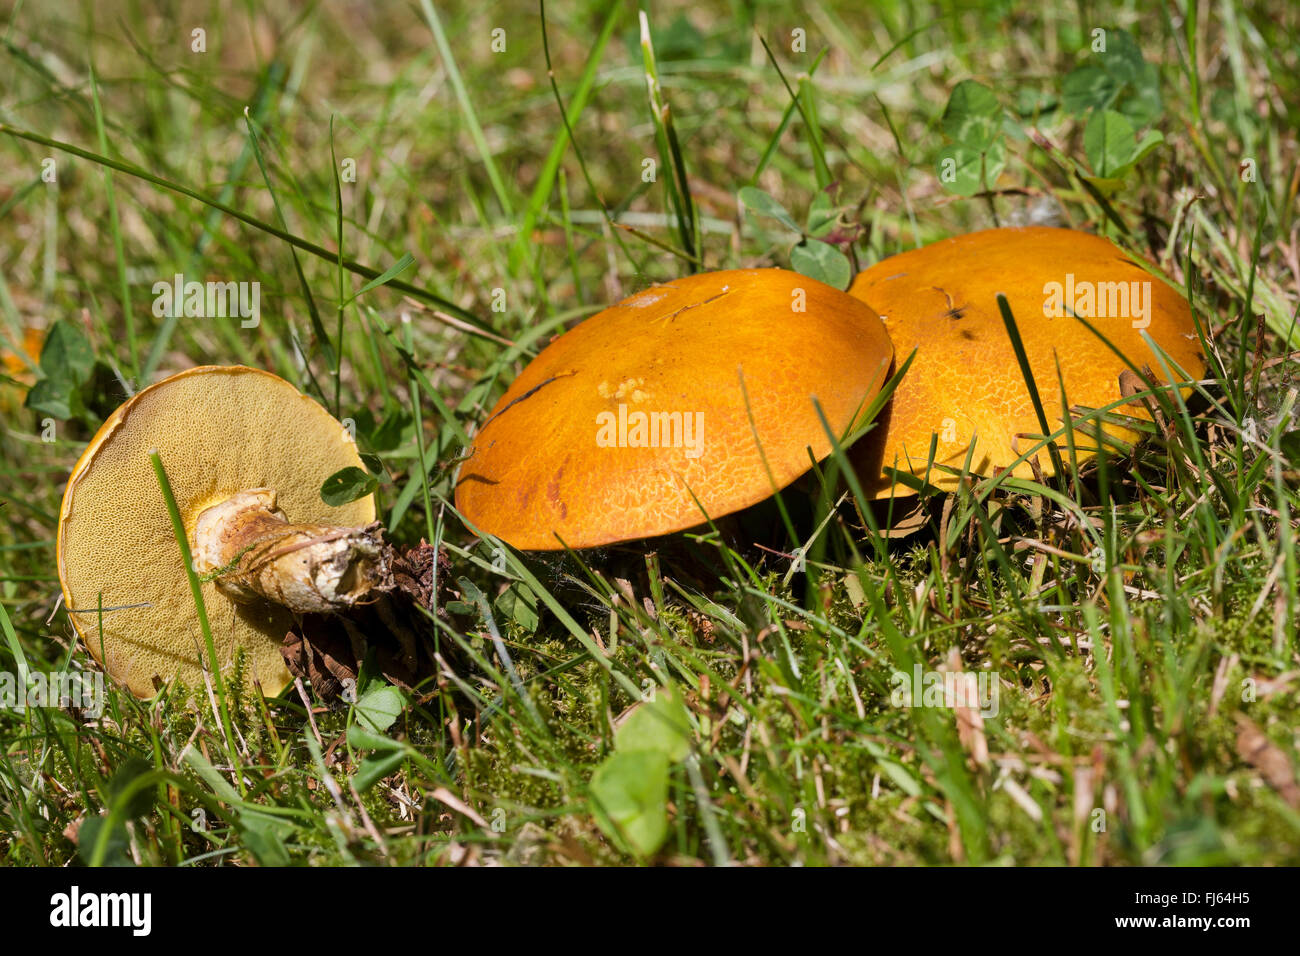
1141, 618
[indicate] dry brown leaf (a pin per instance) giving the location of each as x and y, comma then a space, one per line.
910, 522
327, 650
970, 722
1254, 747
319, 653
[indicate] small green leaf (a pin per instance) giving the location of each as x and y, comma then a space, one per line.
346, 485
1118, 79
88, 837
388, 434
1013, 129
629, 799
900, 776
379, 707
972, 115
67, 361
1032, 102
1109, 142
763, 204
376, 768
263, 838
1123, 58
519, 604
66, 355
51, 397
821, 261
142, 800
1150, 141
660, 723
1086, 88
965, 172
1142, 103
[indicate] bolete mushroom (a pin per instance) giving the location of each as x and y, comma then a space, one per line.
245, 454
965, 384
636, 423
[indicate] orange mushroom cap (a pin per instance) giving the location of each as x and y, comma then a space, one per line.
965, 385
609, 432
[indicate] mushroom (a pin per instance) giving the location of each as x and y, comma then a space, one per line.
245, 455
637, 422
965, 385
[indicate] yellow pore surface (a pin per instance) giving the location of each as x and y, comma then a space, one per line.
562, 454
219, 430
965, 384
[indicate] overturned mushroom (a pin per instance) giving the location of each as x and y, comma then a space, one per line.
245, 454
636, 423
965, 386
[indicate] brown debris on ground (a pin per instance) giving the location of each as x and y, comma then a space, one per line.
327, 649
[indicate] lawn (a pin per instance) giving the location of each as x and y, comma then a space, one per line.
425, 193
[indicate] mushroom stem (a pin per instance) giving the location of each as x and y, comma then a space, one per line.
309, 568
